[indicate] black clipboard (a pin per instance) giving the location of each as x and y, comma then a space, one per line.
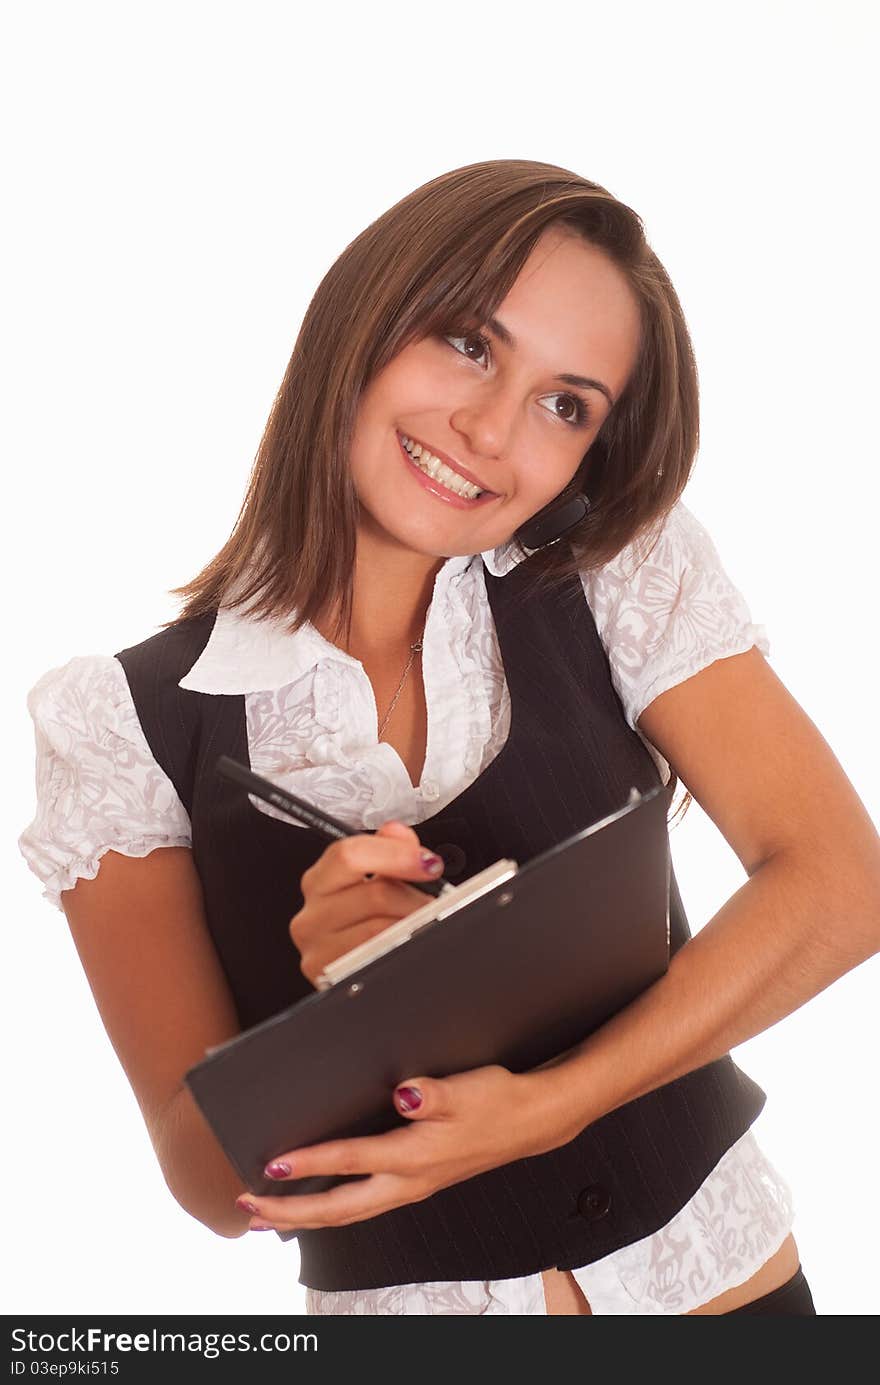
518, 975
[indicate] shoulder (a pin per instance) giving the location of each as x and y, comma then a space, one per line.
88, 692
169, 654
98, 785
651, 571
665, 607
97, 689
84, 714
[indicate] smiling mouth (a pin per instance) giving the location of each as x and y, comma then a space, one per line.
467, 487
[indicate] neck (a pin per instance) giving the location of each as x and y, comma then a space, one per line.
393, 588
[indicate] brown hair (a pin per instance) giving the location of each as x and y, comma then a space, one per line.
446, 255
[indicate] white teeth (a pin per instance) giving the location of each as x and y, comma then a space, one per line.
439, 471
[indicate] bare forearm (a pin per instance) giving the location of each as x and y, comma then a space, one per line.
789, 932
196, 1169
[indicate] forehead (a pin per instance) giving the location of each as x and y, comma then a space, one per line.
571, 308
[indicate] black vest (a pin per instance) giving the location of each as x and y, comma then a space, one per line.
570, 759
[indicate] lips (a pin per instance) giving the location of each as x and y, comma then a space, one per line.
455, 466
438, 490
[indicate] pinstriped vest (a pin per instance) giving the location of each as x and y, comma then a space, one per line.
570, 759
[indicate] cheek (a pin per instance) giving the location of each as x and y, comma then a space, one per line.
546, 472
410, 379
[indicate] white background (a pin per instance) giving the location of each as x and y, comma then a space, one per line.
179, 177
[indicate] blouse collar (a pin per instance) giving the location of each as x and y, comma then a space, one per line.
245, 655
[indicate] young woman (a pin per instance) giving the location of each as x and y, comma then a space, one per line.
465, 609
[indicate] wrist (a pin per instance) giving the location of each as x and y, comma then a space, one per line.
554, 1114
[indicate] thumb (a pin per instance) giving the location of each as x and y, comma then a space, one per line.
393, 828
419, 1096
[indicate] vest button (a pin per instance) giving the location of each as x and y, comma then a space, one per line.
454, 858
593, 1202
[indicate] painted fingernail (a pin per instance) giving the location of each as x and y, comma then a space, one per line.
409, 1098
259, 1228
277, 1169
431, 864
244, 1205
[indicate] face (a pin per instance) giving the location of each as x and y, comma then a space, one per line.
491, 405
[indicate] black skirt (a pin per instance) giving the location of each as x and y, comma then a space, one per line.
793, 1299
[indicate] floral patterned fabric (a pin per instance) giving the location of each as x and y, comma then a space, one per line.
737, 1220
663, 610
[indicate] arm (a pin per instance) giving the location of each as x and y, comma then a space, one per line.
139, 928
809, 912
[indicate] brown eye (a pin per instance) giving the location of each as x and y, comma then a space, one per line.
477, 343
569, 408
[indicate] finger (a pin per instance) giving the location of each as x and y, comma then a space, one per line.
399, 830
346, 862
356, 903
382, 1156
421, 1097
336, 943
349, 1202
368, 906
389, 1152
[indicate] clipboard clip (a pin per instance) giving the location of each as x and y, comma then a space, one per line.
404, 929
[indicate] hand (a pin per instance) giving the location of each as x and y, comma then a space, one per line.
465, 1124
343, 906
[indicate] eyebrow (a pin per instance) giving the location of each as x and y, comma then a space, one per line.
504, 335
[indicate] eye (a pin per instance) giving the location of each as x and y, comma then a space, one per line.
474, 338
580, 412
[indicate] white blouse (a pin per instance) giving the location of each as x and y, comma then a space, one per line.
662, 613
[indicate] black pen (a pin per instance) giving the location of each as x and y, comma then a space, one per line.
307, 813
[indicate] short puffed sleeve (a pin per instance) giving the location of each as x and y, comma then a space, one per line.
664, 616
98, 786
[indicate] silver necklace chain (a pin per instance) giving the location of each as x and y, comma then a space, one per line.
414, 650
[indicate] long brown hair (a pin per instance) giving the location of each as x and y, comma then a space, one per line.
445, 255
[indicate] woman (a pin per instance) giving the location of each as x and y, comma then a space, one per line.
499, 343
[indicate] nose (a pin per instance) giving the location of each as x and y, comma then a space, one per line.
487, 420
